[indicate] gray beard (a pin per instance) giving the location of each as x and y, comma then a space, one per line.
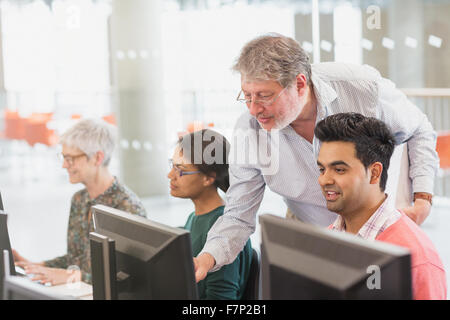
288, 118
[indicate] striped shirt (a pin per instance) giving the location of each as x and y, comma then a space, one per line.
338, 88
385, 216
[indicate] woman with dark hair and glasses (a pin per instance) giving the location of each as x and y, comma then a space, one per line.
198, 168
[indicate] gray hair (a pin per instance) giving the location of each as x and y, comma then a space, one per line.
273, 57
91, 136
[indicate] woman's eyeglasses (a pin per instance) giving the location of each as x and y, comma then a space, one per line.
69, 158
179, 171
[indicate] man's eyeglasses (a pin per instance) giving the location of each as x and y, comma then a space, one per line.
179, 171
262, 101
69, 158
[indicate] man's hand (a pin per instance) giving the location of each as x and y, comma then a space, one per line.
54, 276
419, 212
202, 264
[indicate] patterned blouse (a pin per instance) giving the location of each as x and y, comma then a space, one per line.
78, 248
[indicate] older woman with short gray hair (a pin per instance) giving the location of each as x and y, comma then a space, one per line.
90, 136
87, 149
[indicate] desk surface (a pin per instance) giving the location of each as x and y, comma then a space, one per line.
78, 290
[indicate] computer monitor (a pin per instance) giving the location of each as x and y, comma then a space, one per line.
1, 203
136, 258
301, 261
103, 263
5, 245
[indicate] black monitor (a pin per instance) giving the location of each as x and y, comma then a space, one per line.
135, 258
5, 245
1, 203
301, 261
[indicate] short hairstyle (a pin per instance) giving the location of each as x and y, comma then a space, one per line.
373, 140
91, 136
273, 57
208, 150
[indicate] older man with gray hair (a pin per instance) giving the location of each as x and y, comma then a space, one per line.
286, 97
87, 148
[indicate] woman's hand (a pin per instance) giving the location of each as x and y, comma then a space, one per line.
54, 276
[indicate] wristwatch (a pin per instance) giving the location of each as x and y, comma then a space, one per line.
423, 195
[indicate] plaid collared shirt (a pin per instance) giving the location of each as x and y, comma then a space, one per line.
385, 216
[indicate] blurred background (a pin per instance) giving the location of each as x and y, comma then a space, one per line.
157, 68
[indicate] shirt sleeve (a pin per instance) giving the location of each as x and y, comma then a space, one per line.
59, 262
224, 283
132, 205
409, 124
230, 233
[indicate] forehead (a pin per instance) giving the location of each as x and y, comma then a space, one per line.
250, 85
337, 151
70, 150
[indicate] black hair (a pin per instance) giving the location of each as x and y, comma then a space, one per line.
208, 150
373, 140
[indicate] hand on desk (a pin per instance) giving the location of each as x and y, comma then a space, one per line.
54, 276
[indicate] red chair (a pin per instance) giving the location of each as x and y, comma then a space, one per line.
198, 125
195, 126
443, 149
14, 125
110, 118
36, 130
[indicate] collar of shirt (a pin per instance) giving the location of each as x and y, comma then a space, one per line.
380, 220
325, 95
109, 191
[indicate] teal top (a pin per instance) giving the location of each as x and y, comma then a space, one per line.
229, 282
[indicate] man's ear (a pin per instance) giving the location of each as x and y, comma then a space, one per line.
302, 83
375, 170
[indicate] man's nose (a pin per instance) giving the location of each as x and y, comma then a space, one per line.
326, 179
255, 108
